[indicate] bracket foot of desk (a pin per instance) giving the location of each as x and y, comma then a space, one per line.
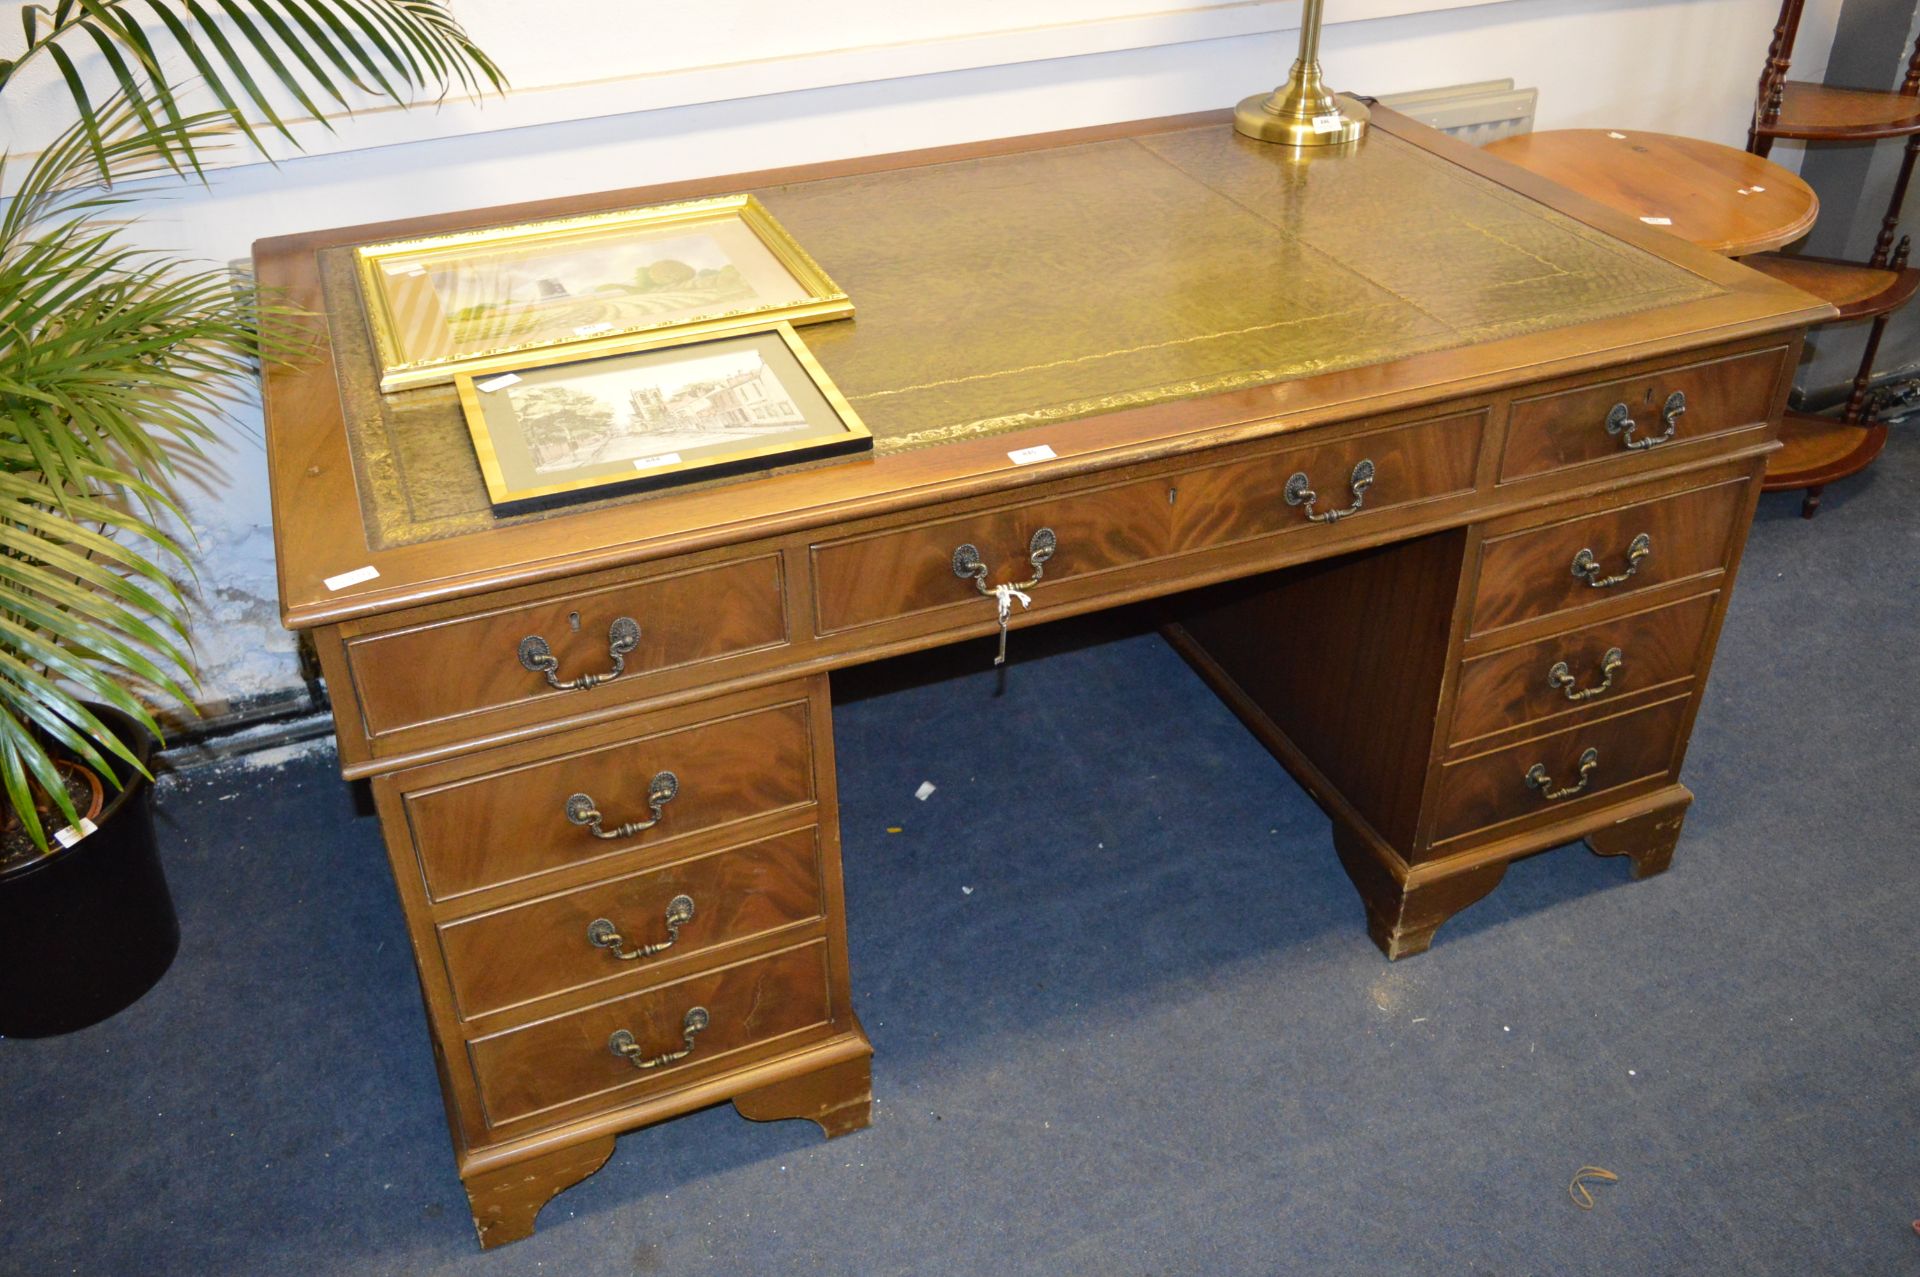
506, 1201
1647, 839
838, 1098
828, 1084
1402, 916
1406, 906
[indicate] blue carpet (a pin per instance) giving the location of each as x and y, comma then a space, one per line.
1126, 1013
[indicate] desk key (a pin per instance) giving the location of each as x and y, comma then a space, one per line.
1006, 594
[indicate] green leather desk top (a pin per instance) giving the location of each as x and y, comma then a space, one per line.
997, 293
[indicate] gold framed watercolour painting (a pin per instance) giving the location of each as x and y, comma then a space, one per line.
592, 423
444, 303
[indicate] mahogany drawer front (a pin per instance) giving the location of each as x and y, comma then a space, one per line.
901, 572
1559, 676
1245, 499
1531, 573
1480, 793
513, 823
1570, 427
512, 956
754, 1009
878, 577
452, 668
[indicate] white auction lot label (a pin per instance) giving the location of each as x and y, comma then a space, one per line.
354, 577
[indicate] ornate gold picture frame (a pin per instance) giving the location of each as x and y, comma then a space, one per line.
590, 423
441, 304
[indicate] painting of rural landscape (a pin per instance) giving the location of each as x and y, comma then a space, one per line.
556, 294
443, 305
723, 400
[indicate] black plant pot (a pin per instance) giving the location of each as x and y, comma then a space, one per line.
85, 931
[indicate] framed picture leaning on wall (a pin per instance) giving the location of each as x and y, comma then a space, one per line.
440, 304
671, 410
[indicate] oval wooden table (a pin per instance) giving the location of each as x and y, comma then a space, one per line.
1721, 198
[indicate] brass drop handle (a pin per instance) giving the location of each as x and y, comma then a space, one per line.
1300, 492
623, 1045
1561, 679
1587, 568
622, 637
1620, 422
660, 791
968, 566
1537, 778
602, 934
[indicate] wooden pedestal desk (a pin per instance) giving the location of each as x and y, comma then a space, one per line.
1442, 471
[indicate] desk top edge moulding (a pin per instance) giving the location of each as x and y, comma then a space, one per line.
424, 550
1514, 439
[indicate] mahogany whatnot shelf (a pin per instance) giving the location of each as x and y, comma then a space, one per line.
1857, 290
1816, 449
1444, 349
1821, 113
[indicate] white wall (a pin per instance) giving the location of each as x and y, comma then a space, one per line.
1685, 66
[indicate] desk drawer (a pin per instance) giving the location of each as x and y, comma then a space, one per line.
446, 669
753, 1010
1407, 465
1480, 793
520, 821
1519, 685
503, 959
1571, 427
900, 572
1579, 563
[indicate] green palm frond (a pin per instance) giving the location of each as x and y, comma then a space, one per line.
112, 363
241, 51
116, 362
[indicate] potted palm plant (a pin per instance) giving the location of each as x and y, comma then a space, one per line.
117, 363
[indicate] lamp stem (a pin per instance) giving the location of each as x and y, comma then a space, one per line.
1310, 31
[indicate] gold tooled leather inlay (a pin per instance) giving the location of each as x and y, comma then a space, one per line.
1011, 291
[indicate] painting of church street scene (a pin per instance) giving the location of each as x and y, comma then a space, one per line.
664, 412
723, 399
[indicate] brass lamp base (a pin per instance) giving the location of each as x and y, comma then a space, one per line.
1290, 118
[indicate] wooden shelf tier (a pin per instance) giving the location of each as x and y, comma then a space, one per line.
1816, 451
1858, 290
1817, 113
